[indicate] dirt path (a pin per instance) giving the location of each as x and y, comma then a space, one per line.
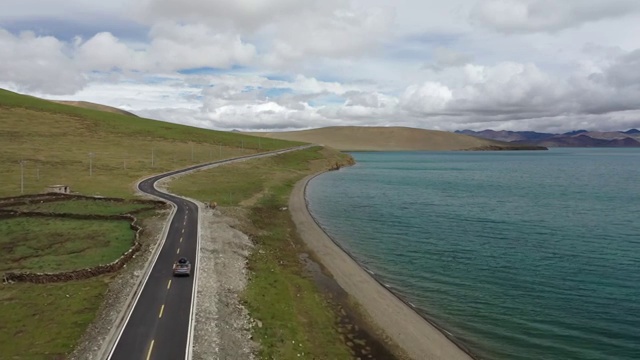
419, 338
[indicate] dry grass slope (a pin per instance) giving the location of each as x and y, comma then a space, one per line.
358, 138
92, 106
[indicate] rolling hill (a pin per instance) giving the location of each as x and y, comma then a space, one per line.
97, 152
360, 138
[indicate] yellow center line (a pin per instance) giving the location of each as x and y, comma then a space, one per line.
161, 311
169, 285
150, 349
178, 252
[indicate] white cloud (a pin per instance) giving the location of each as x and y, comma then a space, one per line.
514, 16
37, 64
239, 14
345, 32
285, 64
445, 58
427, 98
176, 46
104, 52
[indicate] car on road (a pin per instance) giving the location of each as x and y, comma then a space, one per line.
182, 267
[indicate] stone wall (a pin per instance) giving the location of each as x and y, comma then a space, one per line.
79, 274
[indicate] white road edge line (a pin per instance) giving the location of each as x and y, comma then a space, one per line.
150, 266
194, 292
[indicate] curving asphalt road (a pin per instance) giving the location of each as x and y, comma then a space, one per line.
159, 326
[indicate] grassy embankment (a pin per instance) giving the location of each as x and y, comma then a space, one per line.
296, 318
55, 142
44, 321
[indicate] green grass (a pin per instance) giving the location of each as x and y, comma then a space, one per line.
55, 141
45, 321
297, 321
84, 206
231, 185
60, 244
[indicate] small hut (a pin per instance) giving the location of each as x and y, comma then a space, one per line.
60, 189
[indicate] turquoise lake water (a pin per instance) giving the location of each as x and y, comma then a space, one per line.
520, 255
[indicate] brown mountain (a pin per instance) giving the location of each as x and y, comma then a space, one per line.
360, 138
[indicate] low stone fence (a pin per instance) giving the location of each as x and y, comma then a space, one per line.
80, 274
52, 197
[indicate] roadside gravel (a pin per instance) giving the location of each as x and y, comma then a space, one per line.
223, 325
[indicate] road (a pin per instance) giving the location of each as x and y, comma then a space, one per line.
159, 326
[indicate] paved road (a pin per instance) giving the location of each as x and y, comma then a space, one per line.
159, 325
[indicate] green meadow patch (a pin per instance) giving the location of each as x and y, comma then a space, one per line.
49, 244
45, 321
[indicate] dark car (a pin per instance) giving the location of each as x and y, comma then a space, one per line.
182, 267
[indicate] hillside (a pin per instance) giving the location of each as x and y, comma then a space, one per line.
90, 105
97, 152
358, 138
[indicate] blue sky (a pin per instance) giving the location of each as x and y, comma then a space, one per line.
295, 64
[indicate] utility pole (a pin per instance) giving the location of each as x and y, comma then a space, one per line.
152, 155
22, 176
90, 164
38, 172
220, 146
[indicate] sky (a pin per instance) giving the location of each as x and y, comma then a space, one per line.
276, 65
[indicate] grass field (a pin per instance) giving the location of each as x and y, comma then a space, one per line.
101, 153
45, 321
296, 317
61, 244
83, 206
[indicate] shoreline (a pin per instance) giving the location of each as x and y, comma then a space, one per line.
420, 337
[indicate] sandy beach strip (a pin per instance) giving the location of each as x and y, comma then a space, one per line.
419, 338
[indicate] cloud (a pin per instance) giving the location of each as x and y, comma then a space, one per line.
625, 71
248, 15
427, 98
176, 46
37, 64
445, 58
285, 64
509, 93
343, 33
104, 52
520, 16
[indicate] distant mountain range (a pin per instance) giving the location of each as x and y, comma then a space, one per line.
578, 138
